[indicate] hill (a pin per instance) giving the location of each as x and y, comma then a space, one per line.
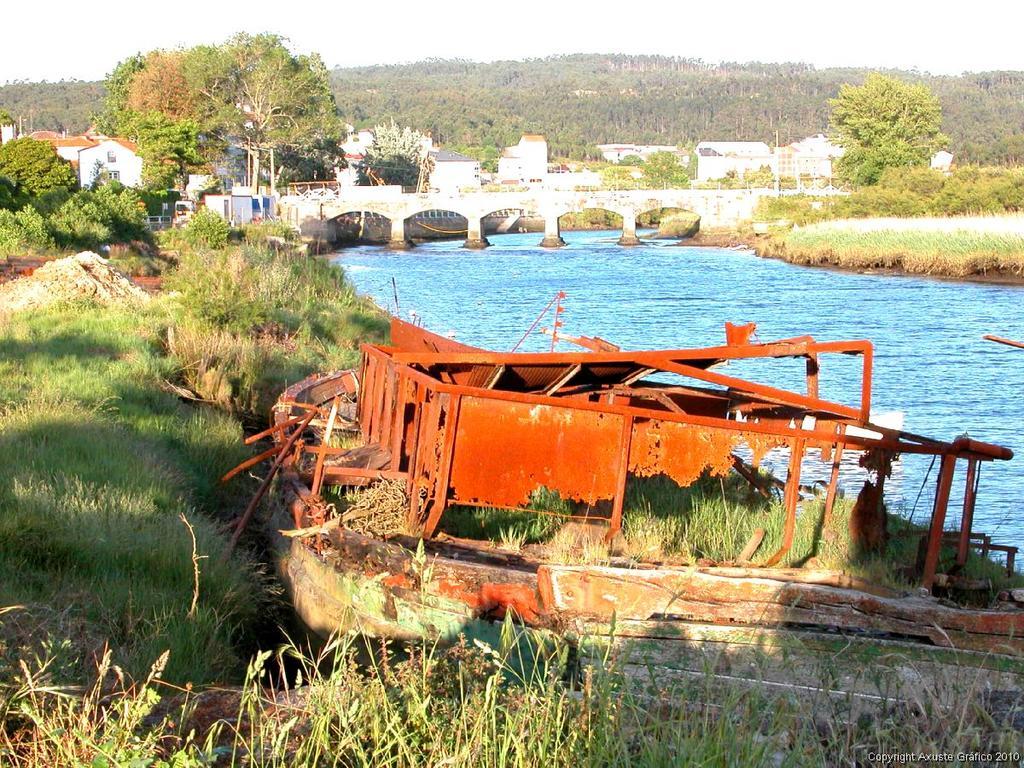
582, 100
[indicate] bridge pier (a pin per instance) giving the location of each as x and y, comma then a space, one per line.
475, 239
552, 233
398, 241
629, 237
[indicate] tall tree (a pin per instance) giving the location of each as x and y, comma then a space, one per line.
168, 149
161, 86
395, 157
35, 167
112, 120
885, 123
258, 93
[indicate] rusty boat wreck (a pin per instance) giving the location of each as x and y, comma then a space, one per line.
446, 425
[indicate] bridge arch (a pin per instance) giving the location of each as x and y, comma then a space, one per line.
671, 221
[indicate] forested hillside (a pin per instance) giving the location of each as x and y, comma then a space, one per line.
67, 105
579, 101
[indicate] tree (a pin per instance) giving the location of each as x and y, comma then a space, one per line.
161, 86
168, 149
255, 91
662, 170
112, 120
35, 167
313, 160
395, 157
884, 123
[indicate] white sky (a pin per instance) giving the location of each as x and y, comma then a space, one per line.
70, 40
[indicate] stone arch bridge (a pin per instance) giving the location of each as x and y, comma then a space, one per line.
315, 212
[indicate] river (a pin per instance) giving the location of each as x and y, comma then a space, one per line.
931, 363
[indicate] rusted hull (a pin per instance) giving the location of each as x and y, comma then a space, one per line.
656, 626
460, 425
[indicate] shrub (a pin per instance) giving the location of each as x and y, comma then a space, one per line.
207, 230
88, 219
217, 287
21, 231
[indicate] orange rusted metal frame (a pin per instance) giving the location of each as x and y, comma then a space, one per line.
967, 518
1002, 340
422, 440
934, 540
790, 500
673, 361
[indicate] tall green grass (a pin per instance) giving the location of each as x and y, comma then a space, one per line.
99, 464
958, 253
527, 702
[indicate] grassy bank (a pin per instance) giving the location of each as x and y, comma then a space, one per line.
116, 423
961, 247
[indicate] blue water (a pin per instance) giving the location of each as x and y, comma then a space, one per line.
931, 363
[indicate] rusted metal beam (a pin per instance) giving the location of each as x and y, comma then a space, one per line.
564, 379
934, 540
625, 442
833, 480
1003, 340
790, 500
967, 517
243, 521
279, 427
251, 462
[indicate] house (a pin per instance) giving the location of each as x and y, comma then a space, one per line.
117, 159
942, 161
68, 147
525, 163
808, 158
453, 172
616, 153
718, 159
8, 132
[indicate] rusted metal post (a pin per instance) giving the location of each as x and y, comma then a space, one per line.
790, 498
833, 480
321, 457
444, 473
967, 519
625, 442
398, 421
931, 557
812, 376
865, 385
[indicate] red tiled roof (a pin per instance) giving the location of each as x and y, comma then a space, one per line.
73, 141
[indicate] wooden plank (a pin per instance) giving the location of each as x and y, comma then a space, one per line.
603, 592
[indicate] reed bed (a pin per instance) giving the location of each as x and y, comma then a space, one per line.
953, 247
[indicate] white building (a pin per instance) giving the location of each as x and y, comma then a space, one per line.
68, 147
453, 172
525, 163
8, 133
942, 161
718, 159
809, 158
616, 153
116, 158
